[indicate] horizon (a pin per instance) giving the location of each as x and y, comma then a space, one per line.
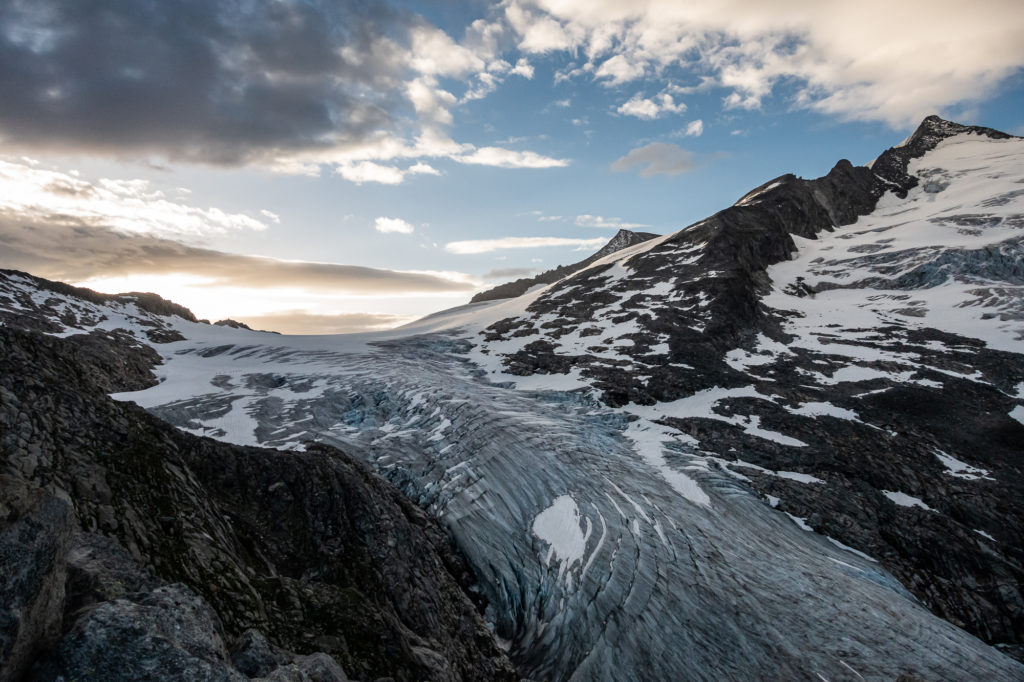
338, 167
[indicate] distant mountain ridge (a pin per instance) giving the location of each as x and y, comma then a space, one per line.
622, 239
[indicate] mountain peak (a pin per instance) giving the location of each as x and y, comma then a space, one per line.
933, 129
891, 166
622, 239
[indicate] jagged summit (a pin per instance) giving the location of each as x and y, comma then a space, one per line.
622, 239
892, 164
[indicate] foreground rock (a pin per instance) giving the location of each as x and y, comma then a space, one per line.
130, 550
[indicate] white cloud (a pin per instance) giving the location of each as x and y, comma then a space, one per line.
422, 169
523, 68
488, 245
398, 225
429, 100
695, 128
657, 158
538, 33
507, 158
128, 206
588, 220
434, 53
652, 108
362, 163
620, 69
368, 171
872, 60
271, 216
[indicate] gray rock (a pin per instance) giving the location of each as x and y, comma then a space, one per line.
321, 668
167, 634
255, 656
34, 534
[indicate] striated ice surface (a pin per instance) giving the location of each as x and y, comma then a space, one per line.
605, 556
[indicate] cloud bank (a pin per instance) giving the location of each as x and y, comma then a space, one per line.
870, 60
295, 86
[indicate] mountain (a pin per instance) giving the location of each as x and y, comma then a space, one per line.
621, 240
784, 442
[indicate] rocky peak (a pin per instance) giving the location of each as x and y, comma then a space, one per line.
622, 239
891, 166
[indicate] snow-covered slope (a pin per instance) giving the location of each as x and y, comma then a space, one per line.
698, 458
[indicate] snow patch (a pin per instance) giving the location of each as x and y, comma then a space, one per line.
559, 527
904, 500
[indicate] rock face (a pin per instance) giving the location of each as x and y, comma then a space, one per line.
782, 443
621, 240
310, 548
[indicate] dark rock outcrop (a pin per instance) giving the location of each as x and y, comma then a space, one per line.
190, 543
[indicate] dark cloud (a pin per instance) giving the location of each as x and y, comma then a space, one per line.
71, 250
509, 273
219, 81
302, 322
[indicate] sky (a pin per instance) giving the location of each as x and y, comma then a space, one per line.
336, 166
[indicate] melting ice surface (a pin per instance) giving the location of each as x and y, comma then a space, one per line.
659, 564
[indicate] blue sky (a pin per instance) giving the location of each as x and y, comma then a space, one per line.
325, 166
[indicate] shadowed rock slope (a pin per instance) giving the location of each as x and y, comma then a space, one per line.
131, 550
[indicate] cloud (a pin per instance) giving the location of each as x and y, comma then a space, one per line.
657, 158
652, 108
32, 191
59, 226
509, 273
523, 68
695, 128
270, 215
488, 245
393, 225
217, 82
304, 322
620, 69
292, 86
587, 220
507, 158
435, 53
74, 251
870, 60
